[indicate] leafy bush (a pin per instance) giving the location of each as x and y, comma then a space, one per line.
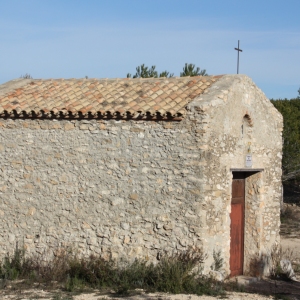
176, 273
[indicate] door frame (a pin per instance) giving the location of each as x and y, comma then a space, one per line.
241, 173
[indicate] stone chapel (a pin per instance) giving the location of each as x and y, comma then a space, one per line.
130, 168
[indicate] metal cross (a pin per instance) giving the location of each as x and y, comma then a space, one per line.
238, 58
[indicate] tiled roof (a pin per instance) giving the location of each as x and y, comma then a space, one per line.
166, 97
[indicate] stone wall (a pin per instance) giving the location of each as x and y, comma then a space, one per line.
226, 144
115, 188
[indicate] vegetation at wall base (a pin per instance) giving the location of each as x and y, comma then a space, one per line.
218, 261
176, 273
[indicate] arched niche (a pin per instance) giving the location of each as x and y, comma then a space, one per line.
246, 127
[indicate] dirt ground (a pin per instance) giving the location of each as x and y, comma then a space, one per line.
35, 294
290, 230
258, 290
39, 293
290, 243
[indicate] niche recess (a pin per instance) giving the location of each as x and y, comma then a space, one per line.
246, 128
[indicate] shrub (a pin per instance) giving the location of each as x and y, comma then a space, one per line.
13, 266
176, 273
272, 260
218, 261
276, 256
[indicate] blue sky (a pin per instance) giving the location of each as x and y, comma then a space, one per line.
109, 38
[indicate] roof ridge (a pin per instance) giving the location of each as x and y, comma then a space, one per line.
117, 78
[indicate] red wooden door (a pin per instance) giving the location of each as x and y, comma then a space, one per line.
237, 227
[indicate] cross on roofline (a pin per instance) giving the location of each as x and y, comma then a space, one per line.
238, 58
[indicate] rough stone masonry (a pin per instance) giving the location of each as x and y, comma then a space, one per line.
126, 174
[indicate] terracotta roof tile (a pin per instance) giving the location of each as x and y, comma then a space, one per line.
93, 96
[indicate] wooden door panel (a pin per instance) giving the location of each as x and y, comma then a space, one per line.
237, 227
239, 188
236, 233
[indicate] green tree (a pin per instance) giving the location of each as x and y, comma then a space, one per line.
290, 110
144, 72
190, 70
166, 74
26, 76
